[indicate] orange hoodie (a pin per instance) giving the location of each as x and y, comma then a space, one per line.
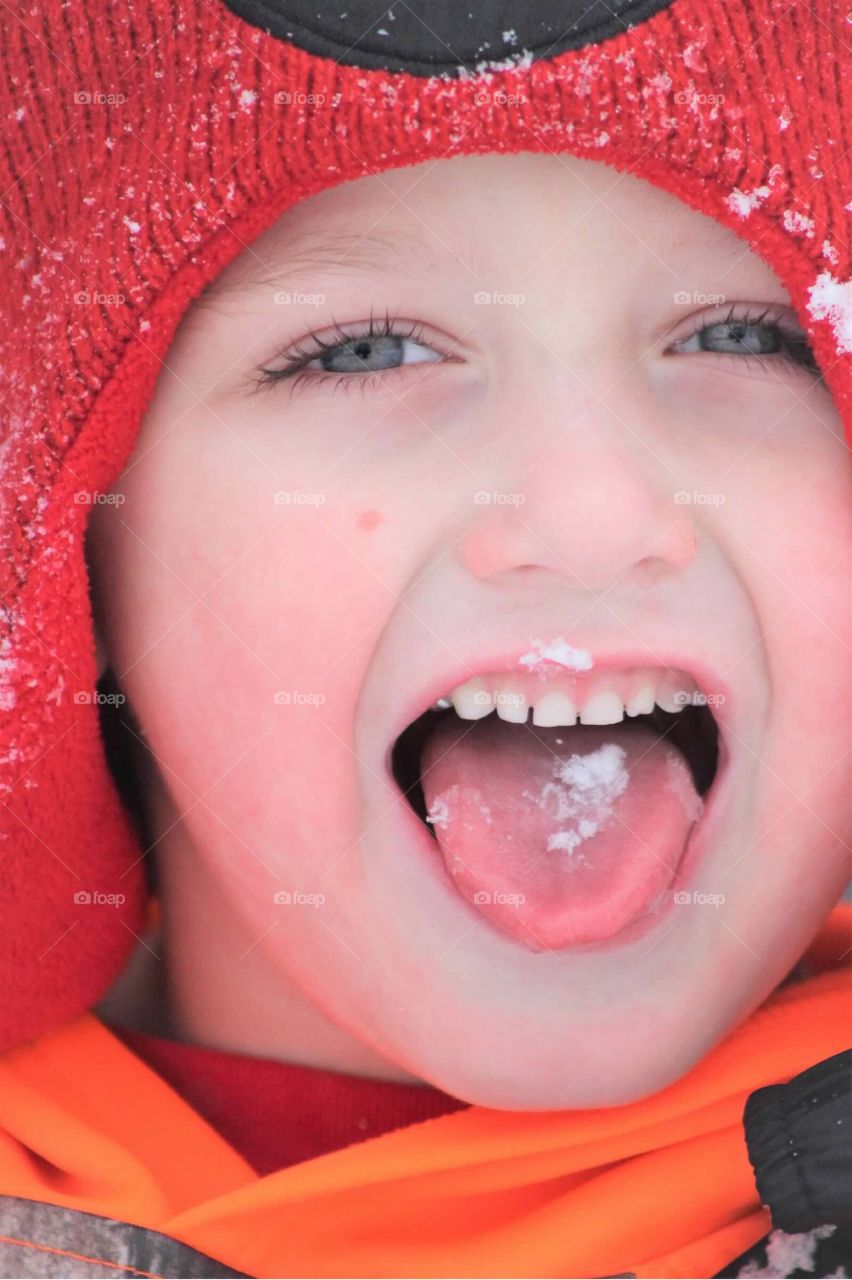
658, 1188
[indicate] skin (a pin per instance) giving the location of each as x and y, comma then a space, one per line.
209, 597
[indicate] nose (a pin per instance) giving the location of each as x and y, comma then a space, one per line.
596, 508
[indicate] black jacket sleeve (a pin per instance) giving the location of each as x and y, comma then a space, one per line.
799, 1139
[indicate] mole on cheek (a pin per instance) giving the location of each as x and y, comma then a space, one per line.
369, 519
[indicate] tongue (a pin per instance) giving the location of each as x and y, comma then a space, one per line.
558, 836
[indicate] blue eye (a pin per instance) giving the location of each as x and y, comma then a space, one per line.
746, 335
370, 353
378, 348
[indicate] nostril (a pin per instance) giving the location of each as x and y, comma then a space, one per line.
647, 572
673, 552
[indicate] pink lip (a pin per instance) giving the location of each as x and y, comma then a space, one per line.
707, 680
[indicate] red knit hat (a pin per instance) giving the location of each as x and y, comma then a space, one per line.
145, 145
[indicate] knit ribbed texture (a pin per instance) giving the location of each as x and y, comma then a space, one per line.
143, 147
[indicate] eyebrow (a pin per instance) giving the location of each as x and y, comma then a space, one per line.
314, 254
710, 239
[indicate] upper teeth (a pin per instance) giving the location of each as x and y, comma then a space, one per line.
604, 700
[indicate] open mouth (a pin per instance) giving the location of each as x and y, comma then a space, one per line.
693, 731
561, 834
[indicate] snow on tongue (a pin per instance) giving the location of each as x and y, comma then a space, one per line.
558, 836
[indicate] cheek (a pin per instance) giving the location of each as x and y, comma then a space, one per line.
247, 662
786, 523
787, 527
792, 516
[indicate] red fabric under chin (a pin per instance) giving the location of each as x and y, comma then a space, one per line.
559, 836
277, 1114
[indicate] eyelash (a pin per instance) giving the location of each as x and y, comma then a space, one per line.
795, 350
296, 375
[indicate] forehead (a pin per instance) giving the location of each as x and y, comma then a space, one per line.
469, 212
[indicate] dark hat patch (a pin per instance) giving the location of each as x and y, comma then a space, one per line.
443, 37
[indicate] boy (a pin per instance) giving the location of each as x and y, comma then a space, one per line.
462, 580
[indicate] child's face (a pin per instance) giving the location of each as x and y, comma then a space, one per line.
385, 580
